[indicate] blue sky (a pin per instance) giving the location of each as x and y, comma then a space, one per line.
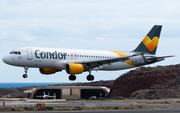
85, 24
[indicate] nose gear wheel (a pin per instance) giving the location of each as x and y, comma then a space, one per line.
26, 70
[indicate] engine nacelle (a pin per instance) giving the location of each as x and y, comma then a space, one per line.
47, 71
74, 68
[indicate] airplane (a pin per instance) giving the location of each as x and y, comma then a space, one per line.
75, 61
45, 96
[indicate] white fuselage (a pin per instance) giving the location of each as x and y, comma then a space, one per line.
57, 58
74, 61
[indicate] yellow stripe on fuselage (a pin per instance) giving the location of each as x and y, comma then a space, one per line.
122, 54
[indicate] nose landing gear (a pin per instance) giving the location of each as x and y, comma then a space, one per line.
26, 70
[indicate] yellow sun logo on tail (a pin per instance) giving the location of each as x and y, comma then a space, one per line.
151, 44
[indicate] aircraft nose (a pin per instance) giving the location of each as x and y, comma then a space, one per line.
5, 59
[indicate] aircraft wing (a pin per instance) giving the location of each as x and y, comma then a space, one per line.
96, 63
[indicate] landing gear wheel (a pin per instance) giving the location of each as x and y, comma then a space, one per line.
90, 77
72, 77
26, 70
25, 76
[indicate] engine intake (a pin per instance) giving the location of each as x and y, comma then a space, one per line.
74, 68
47, 71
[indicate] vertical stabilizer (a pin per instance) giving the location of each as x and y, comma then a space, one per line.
150, 42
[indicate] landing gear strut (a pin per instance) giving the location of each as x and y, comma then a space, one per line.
90, 77
72, 77
26, 70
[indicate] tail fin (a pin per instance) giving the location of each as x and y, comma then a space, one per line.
150, 42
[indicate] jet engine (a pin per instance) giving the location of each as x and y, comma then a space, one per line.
47, 71
74, 68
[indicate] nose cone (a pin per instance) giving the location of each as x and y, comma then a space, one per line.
11, 60
5, 59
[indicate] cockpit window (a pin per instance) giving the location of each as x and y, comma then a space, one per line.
12, 52
15, 52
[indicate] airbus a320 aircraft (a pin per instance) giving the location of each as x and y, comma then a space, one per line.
74, 61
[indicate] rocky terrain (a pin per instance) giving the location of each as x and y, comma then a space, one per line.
143, 82
148, 82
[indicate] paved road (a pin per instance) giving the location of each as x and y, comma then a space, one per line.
76, 103
107, 111
93, 103
171, 108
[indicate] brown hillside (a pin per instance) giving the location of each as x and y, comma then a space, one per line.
148, 82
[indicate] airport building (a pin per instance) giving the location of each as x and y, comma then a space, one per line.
67, 92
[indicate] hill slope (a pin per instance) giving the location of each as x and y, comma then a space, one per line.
148, 82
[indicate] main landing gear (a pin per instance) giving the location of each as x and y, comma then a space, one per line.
89, 77
72, 77
26, 70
